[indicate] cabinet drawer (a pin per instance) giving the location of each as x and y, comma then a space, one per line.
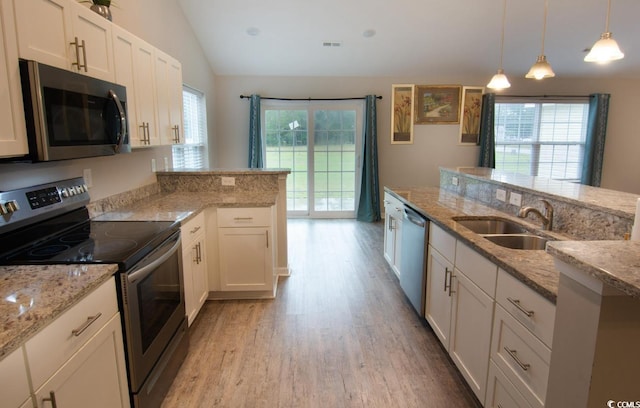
479, 269
442, 241
392, 206
522, 357
501, 393
192, 229
48, 350
244, 217
532, 310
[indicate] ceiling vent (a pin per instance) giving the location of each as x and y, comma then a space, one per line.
332, 44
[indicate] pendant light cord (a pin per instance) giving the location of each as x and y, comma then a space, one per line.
544, 24
606, 28
504, 19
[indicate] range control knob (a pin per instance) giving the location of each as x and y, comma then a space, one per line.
64, 192
12, 206
3, 209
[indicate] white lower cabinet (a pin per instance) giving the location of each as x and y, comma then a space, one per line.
14, 385
78, 359
194, 265
393, 210
460, 303
93, 377
245, 243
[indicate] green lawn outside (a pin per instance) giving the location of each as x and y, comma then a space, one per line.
330, 183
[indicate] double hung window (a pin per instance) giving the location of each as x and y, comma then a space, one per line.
541, 137
192, 154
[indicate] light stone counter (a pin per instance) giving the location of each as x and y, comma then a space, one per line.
615, 263
534, 268
31, 297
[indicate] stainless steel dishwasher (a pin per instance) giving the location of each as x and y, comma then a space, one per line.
413, 270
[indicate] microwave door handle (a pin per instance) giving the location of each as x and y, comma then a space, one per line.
123, 120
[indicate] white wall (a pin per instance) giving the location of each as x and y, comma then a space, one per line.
163, 25
434, 145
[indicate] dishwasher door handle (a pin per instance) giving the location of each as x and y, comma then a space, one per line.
414, 217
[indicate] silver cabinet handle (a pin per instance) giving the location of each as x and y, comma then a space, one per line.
243, 218
193, 231
148, 133
90, 320
52, 399
516, 303
446, 272
79, 45
266, 233
199, 252
513, 355
176, 134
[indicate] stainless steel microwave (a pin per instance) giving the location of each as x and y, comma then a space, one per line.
71, 116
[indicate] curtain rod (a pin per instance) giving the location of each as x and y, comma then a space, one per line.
542, 96
308, 99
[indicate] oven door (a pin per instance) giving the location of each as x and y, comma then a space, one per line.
153, 307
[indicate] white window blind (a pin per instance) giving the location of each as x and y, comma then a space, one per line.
541, 138
193, 153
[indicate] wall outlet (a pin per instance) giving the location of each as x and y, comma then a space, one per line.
228, 181
515, 199
153, 165
454, 180
88, 178
501, 195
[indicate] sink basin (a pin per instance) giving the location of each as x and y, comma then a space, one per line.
522, 241
491, 225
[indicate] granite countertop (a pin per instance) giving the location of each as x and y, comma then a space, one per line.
31, 297
615, 263
242, 171
534, 268
181, 206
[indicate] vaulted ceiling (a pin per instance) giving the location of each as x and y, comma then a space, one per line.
424, 38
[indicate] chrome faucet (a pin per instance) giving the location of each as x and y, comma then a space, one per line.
546, 217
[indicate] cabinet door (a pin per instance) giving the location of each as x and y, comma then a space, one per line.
245, 259
196, 285
392, 242
438, 302
162, 62
14, 386
43, 28
124, 54
397, 247
176, 108
145, 94
471, 326
13, 137
95, 31
94, 377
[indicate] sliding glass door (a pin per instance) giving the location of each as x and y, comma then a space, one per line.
320, 143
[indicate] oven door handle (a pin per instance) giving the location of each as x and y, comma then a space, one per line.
145, 270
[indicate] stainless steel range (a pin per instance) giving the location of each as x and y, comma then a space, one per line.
50, 224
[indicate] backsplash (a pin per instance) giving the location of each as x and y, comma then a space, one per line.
584, 212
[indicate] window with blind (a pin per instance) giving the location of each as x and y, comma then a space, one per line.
193, 153
540, 138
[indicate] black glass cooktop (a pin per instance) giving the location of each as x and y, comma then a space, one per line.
75, 239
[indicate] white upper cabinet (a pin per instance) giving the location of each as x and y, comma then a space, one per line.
13, 137
66, 35
169, 98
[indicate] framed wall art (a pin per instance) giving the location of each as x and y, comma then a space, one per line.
470, 115
401, 114
437, 104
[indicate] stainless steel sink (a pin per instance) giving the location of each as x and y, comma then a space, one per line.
491, 225
519, 241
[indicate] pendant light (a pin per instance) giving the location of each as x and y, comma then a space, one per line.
606, 48
499, 80
541, 69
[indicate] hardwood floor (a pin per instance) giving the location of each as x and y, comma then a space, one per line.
339, 334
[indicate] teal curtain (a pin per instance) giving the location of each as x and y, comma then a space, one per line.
369, 204
256, 160
594, 144
487, 140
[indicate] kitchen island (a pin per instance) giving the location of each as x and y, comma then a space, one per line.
588, 271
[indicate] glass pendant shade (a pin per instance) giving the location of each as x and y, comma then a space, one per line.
604, 50
499, 81
541, 69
